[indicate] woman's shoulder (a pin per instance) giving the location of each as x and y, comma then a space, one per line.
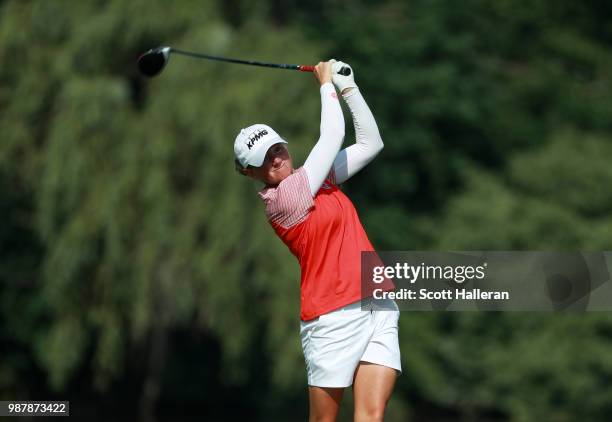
290, 184
290, 200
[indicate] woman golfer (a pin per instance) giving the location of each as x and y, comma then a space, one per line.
344, 343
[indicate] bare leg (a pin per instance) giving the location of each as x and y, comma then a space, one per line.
324, 403
372, 388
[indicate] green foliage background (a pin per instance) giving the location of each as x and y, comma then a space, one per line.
137, 270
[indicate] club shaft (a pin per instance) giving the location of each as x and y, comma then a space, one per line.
249, 62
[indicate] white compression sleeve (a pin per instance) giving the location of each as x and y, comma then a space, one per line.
368, 141
321, 158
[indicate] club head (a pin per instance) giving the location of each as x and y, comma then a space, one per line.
153, 61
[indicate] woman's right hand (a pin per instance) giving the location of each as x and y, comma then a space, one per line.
323, 72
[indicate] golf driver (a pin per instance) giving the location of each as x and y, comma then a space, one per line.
153, 61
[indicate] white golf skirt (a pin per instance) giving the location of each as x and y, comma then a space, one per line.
335, 343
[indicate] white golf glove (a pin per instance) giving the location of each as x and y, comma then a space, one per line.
342, 82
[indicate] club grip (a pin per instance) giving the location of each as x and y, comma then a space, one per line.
345, 71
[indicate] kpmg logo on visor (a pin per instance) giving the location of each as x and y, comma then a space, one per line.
255, 137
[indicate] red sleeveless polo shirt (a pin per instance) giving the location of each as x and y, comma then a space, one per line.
325, 235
